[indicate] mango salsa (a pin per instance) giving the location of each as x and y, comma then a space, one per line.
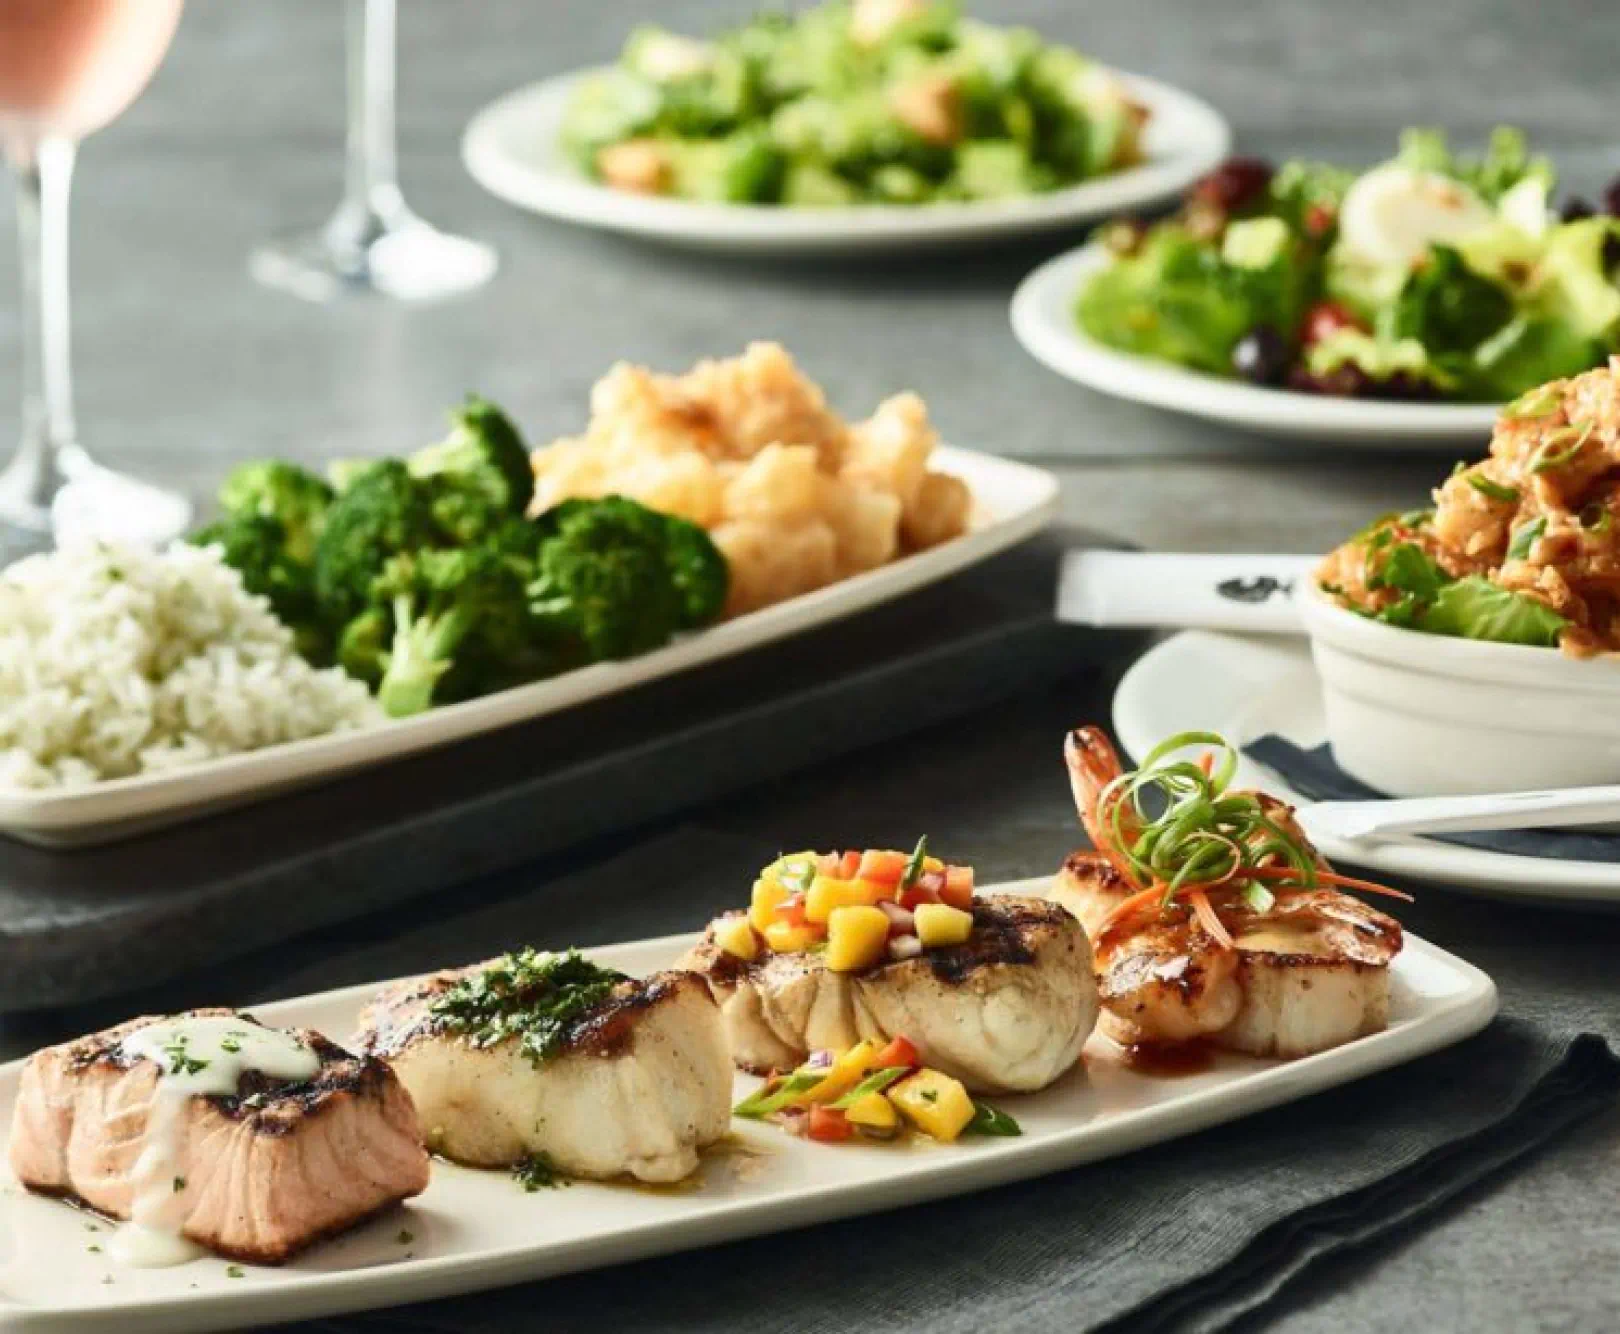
844, 1073
940, 924
736, 936
767, 898
874, 1112
933, 1102
857, 938
785, 938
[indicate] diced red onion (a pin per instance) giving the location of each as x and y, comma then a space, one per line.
819, 1060
904, 947
901, 922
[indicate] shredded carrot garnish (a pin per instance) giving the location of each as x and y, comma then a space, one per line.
1332, 878
1210, 919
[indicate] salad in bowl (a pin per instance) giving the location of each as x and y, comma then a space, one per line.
1432, 276
896, 102
1433, 630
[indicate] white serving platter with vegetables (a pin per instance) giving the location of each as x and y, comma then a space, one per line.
1247, 687
512, 148
479, 1229
1400, 303
1010, 502
1043, 320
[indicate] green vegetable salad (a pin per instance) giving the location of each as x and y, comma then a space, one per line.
1431, 276
870, 102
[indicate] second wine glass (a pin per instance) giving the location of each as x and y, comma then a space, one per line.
373, 242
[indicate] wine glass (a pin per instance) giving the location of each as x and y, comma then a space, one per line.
373, 242
67, 68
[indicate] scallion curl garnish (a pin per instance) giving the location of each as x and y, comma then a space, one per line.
1204, 834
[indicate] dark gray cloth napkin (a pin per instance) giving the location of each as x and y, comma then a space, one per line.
1315, 774
1189, 1234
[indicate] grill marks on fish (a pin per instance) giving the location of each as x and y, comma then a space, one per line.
638, 1084
267, 1169
1008, 1010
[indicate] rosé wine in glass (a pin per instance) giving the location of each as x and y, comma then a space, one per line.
70, 66
67, 68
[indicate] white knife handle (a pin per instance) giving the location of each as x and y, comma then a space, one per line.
1252, 594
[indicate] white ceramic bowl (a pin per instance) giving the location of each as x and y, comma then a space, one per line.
1418, 715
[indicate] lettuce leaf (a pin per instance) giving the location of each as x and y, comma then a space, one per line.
1506, 161
1446, 306
1180, 300
1474, 608
1528, 351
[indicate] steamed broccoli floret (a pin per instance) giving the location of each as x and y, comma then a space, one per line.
362, 647
483, 458
384, 511
701, 575
604, 576
279, 490
694, 565
462, 627
256, 546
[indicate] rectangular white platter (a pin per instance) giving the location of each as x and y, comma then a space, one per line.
1012, 501
474, 1229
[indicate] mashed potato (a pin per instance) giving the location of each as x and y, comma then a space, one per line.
796, 497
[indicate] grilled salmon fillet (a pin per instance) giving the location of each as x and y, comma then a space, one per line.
257, 1175
1008, 1010
1310, 974
637, 1084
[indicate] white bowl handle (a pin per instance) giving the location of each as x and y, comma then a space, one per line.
1250, 594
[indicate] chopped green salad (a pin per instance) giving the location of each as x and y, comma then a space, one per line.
1431, 276
862, 102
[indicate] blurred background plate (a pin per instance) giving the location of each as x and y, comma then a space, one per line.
1043, 319
1246, 688
512, 149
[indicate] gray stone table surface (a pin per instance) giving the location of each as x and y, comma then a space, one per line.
184, 367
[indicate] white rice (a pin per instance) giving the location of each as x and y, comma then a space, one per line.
116, 660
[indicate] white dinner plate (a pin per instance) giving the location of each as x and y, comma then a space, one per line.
1011, 501
512, 149
1043, 318
477, 1229
1246, 688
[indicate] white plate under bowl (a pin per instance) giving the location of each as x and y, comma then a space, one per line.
1043, 318
1011, 501
1246, 688
512, 148
475, 1229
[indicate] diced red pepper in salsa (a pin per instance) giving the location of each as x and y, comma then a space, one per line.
899, 1053
829, 1125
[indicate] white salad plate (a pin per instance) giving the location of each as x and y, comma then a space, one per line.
1011, 502
1247, 687
478, 1229
1043, 319
513, 149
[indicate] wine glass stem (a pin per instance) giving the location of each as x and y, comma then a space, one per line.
371, 189
43, 170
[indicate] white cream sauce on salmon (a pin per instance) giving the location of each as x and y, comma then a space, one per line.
198, 1056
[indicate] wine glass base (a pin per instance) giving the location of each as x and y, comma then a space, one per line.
403, 258
83, 501
98, 502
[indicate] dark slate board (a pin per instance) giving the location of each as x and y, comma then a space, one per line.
77, 925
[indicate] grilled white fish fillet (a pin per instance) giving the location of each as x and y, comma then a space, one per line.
1007, 1011
639, 1084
